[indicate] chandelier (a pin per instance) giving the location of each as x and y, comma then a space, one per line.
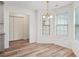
47, 14
46, 21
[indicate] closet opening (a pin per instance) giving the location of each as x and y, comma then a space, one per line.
18, 31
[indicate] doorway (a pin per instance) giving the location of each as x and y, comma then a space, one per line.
18, 31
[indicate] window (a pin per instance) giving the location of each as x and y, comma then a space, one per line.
45, 26
77, 23
62, 23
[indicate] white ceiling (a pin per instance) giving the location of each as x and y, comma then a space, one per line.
37, 5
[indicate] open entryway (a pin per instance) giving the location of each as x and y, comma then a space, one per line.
18, 31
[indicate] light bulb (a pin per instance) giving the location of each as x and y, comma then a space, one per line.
51, 16
43, 16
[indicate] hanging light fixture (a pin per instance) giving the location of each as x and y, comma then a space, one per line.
47, 13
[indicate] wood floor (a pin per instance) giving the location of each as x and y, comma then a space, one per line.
23, 49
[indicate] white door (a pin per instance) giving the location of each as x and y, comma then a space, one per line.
18, 28
11, 21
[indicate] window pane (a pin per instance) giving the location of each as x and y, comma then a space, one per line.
77, 23
62, 27
77, 16
62, 18
62, 23
61, 32
45, 26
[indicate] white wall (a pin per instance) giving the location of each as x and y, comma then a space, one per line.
32, 23
6, 27
26, 28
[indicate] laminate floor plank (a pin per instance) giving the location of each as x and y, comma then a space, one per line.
34, 49
40, 51
62, 53
50, 51
25, 49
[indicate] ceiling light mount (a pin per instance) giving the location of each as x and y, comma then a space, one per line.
47, 14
